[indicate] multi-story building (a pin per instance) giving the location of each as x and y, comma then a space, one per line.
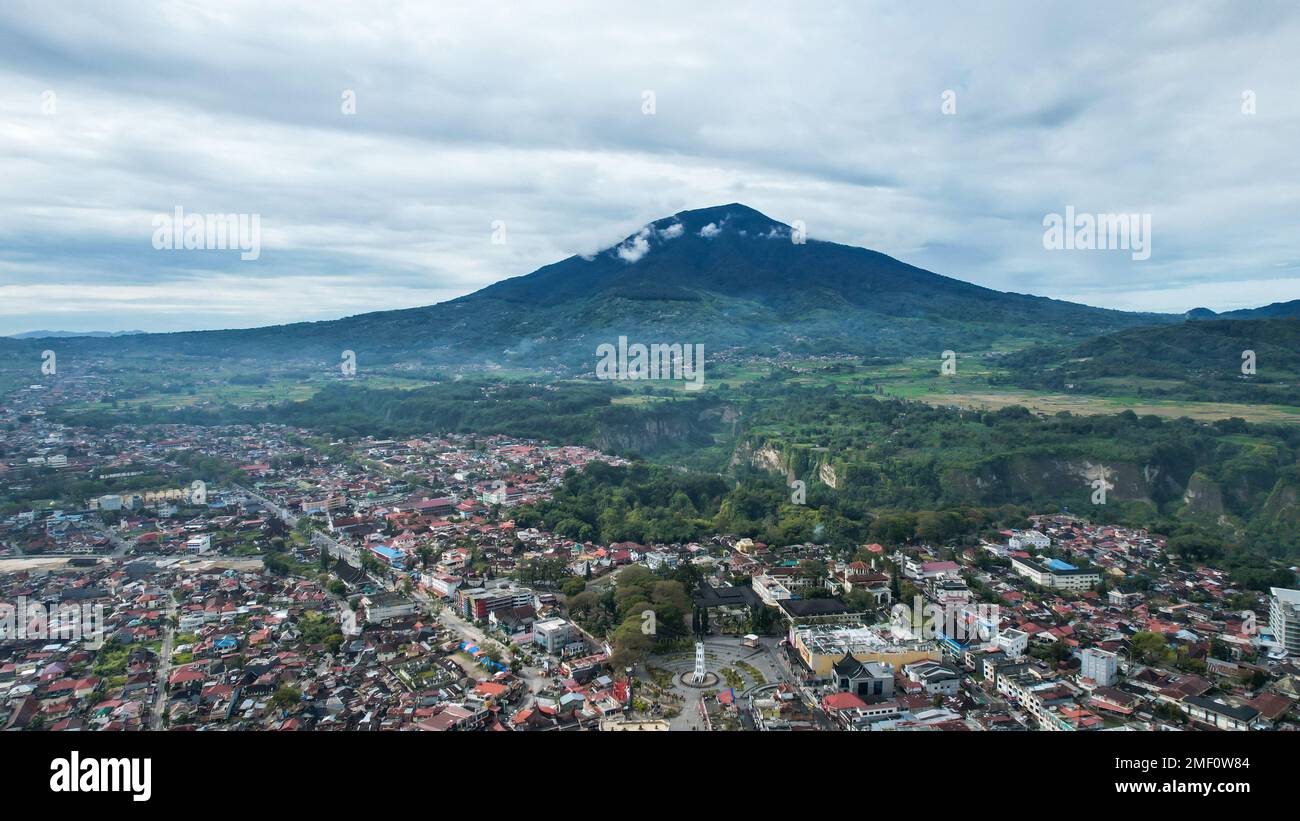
1284, 618
936, 678
769, 589
820, 647
1042, 700
1056, 574
554, 635
1099, 665
656, 559
861, 576
441, 584
1012, 642
923, 571
1219, 714
948, 591
1118, 598
867, 680
1024, 539
382, 606
477, 603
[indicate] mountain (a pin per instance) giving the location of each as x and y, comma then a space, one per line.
68, 334
1277, 310
728, 277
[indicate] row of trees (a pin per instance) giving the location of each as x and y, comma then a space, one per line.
649, 504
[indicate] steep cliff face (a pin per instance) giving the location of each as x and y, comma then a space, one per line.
765, 457
1203, 497
828, 475
668, 429
1027, 478
791, 461
1014, 479
1282, 508
1201, 486
646, 436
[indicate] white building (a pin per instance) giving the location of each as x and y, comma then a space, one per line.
382, 606
1099, 665
769, 589
1055, 574
656, 559
947, 591
1284, 618
443, 585
1012, 642
935, 677
1028, 540
554, 634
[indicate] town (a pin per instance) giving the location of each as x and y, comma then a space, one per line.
265, 577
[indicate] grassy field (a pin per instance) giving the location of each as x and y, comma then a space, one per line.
219, 392
969, 388
917, 379
1083, 405
921, 380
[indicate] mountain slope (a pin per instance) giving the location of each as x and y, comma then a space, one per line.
1198, 359
727, 277
1277, 310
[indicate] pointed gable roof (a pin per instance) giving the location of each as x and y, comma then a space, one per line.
849, 667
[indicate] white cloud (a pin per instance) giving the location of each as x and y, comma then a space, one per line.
466, 117
635, 247
710, 231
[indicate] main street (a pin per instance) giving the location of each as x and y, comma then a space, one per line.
164, 666
284, 515
120, 546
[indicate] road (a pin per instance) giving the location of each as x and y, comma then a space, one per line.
120, 546
285, 516
532, 677
336, 548
164, 667
318, 539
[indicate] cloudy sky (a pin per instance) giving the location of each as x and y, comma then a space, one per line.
521, 114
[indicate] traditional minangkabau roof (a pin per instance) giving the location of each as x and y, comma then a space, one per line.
849, 667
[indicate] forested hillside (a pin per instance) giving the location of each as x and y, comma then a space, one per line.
1200, 360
